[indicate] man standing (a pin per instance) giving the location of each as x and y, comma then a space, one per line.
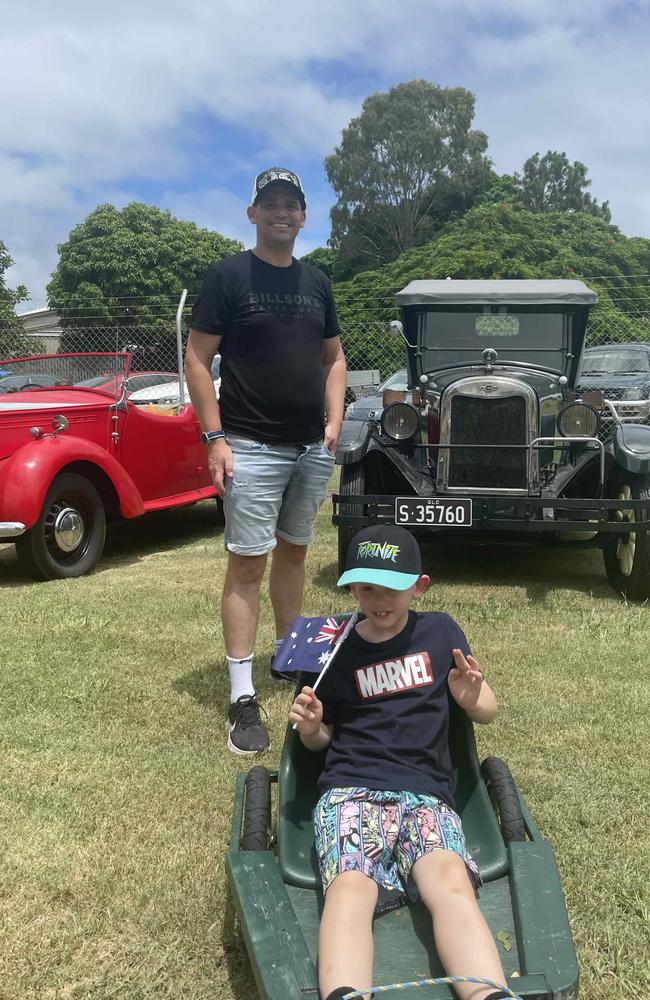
272, 435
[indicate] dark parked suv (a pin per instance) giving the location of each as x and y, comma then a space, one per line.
492, 437
622, 371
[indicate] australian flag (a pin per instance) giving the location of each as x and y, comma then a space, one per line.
311, 642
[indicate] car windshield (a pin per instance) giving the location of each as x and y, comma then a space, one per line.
450, 338
71, 369
397, 380
94, 383
615, 363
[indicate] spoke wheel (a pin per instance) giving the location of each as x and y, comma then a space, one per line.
68, 538
627, 563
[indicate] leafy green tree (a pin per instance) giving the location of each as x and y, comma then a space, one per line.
329, 262
551, 184
502, 241
12, 334
120, 275
502, 188
404, 167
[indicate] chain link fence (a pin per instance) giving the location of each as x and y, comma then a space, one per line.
373, 353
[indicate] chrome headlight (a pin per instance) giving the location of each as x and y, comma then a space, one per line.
400, 421
578, 420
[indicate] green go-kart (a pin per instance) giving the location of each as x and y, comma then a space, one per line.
273, 871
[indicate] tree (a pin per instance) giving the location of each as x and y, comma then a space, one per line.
551, 184
404, 167
329, 262
12, 334
120, 275
503, 241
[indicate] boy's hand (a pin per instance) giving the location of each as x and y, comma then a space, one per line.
465, 680
306, 713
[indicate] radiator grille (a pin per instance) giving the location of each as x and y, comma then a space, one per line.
490, 422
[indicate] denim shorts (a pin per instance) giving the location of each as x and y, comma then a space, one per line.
275, 489
383, 834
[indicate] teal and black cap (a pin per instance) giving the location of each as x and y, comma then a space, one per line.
384, 554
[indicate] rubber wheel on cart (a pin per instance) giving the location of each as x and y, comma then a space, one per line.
68, 538
627, 563
256, 827
505, 799
353, 480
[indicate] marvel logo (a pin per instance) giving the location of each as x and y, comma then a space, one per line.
401, 674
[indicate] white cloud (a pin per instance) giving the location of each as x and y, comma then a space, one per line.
101, 101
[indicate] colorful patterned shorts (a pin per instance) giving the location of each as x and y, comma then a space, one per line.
382, 834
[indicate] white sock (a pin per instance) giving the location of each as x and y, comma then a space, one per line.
241, 676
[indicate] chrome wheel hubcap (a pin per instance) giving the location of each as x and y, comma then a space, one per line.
68, 529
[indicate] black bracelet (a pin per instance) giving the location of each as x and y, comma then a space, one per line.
208, 436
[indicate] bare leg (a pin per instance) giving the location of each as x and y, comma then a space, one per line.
240, 603
286, 583
345, 937
463, 939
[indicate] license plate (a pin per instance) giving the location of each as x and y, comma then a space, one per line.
432, 511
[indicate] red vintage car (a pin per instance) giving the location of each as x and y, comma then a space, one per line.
73, 457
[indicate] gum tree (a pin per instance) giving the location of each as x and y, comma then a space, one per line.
406, 165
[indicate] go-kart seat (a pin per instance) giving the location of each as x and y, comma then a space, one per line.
299, 770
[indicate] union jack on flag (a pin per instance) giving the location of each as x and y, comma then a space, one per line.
330, 631
310, 644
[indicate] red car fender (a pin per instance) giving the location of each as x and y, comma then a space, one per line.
26, 477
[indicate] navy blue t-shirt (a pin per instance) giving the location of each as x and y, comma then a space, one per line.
272, 322
389, 704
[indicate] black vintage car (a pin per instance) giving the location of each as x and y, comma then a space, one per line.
492, 436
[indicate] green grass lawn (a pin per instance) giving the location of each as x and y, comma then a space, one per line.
116, 786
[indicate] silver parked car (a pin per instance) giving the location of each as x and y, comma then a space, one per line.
169, 393
370, 407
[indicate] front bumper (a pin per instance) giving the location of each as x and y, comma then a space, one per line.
535, 515
11, 529
632, 411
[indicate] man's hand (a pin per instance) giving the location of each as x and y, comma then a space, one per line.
465, 680
332, 434
220, 464
306, 713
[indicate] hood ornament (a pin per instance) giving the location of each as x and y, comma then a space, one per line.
489, 356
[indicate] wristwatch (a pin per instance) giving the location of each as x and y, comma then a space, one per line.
208, 436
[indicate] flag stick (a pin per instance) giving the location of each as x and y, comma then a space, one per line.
337, 645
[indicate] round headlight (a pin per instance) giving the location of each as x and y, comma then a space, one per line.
578, 420
400, 421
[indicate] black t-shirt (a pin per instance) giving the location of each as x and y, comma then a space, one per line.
272, 321
389, 704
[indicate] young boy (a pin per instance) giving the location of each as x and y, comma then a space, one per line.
386, 814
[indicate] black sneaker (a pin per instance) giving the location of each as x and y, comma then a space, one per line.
246, 733
279, 675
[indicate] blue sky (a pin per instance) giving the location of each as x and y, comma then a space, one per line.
179, 105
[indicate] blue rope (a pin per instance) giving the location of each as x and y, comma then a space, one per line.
417, 984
